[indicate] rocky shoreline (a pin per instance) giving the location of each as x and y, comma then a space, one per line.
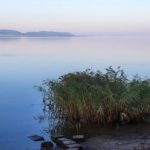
130, 137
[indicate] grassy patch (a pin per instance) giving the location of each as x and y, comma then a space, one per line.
97, 98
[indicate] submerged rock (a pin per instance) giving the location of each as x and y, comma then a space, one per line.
46, 145
36, 138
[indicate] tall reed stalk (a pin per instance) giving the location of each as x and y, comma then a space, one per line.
97, 98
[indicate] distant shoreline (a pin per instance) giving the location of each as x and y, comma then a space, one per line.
38, 34
8, 33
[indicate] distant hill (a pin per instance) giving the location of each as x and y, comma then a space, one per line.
46, 34
10, 33
14, 33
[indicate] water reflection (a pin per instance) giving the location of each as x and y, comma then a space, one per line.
27, 62
7, 39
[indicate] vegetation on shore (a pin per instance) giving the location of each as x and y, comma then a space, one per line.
97, 98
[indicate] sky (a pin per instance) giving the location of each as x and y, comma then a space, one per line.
91, 16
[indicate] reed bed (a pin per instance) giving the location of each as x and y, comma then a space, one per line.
97, 98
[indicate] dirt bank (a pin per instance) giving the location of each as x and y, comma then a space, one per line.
125, 138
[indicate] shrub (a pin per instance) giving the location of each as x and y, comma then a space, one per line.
97, 98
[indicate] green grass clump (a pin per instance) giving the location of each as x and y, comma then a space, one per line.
98, 98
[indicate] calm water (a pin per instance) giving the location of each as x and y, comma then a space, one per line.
27, 62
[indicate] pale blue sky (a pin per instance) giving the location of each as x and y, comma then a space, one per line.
76, 15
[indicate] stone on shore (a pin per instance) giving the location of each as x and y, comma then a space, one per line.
78, 138
68, 144
71, 146
64, 141
72, 149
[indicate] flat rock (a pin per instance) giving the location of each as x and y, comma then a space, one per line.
72, 149
68, 142
78, 138
65, 144
73, 146
60, 140
64, 141
36, 138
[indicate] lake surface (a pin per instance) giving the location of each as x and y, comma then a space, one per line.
25, 63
